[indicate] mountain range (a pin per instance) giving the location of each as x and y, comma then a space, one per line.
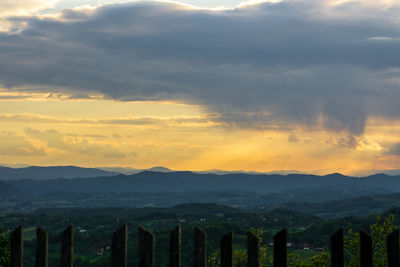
33, 187
52, 172
35, 183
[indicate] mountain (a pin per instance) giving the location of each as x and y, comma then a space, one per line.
6, 189
121, 170
130, 171
46, 173
375, 171
159, 169
360, 206
188, 181
222, 172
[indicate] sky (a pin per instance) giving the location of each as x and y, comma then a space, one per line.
306, 85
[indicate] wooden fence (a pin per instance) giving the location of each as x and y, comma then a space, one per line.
147, 245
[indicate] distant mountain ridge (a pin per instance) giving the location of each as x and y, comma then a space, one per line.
53, 172
23, 171
149, 181
40, 181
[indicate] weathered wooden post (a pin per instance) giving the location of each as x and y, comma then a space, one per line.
119, 250
252, 250
200, 247
17, 247
146, 248
280, 250
392, 246
337, 255
365, 250
67, 247
227, 250
175, 244
42, 248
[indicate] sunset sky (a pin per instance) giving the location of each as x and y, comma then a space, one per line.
307, 85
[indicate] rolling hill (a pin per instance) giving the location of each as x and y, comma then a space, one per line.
188, 181
53, 172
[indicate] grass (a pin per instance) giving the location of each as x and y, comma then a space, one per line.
29, 233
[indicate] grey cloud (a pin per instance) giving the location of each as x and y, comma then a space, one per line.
280, 62
395, 150
350, 142
80, 96
12, 97
293, 138
28, 118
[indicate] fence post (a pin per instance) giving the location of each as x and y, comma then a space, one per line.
252, 250
17, 247
226, 250
365, 250
337, 256
67, 247
175, 244
280, 250
42, 248
119, 246
146, 248
200, 247
392, 245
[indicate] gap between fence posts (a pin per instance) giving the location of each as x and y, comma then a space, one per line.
119, 250
200, 247
17, 247
146, 248
42, 248
67, 247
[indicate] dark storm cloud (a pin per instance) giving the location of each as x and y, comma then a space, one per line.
287, 62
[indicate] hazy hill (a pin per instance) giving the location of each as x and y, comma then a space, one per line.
191, 211
45, 173
360, 206
6, 189
130, 171
188, 181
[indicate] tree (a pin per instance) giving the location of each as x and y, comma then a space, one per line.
240, 256
379, 232
4, 248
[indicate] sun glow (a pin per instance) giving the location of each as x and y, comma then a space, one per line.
179, 136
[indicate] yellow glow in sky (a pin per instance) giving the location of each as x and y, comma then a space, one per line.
39, 130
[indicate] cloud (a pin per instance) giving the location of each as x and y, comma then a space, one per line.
55, 139
394, 150
199, 121
23, 7
12, 8
293, 138
356, 143
348, 142
12, 144
304, 62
